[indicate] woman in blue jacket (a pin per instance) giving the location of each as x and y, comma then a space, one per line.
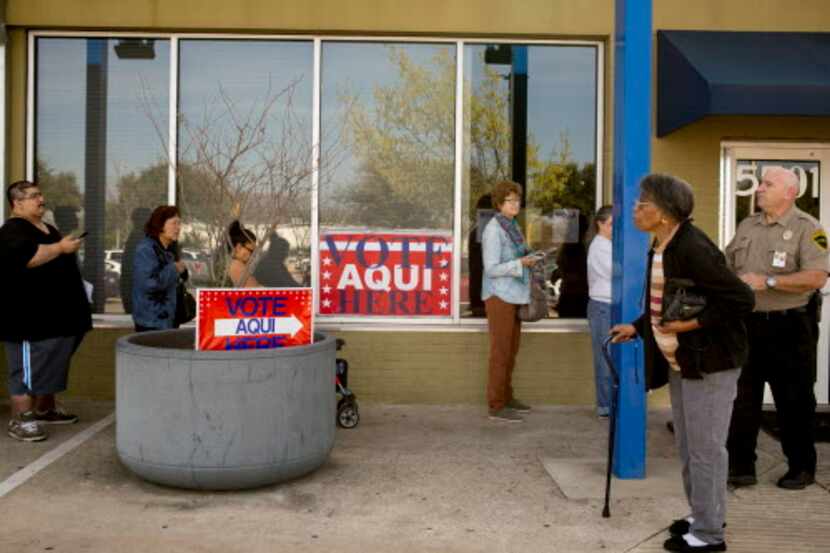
157, 271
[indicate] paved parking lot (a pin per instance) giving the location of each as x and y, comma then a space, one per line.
407, 479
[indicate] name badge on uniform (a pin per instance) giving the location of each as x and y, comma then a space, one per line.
779, 259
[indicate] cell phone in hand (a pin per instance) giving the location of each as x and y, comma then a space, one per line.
78, 235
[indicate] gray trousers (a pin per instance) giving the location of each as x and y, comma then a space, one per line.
701, 410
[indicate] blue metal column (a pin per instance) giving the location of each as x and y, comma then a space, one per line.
518, 116
95, 168
632, 161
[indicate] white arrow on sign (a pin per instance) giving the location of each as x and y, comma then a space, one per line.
257, 326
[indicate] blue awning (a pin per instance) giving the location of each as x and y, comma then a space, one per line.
702, 73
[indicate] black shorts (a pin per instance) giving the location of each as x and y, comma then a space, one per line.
39, 367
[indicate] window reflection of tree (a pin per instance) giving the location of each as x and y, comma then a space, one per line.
60, 188
404, 141
554, 180
88, 92
250, 161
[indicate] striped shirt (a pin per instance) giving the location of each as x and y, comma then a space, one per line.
667, 342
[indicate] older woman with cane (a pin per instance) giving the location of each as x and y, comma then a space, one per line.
695, 339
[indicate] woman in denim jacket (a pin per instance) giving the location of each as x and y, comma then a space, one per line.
505, 286
156, 271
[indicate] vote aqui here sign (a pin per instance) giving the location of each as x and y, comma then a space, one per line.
253, 318
391, 274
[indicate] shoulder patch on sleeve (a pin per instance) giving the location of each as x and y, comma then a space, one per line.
820, 239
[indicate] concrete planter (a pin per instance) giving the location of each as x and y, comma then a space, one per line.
218, 420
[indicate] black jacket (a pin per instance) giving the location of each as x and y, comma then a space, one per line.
721, 342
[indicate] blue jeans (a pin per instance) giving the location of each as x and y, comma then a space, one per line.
599, 320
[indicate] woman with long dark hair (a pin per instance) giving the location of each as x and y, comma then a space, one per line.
241, 245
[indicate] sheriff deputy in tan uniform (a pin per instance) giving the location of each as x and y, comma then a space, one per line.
781, 253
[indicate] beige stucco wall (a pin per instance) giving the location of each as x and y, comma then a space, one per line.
493, 17
693, 152
742, 15
566, 18
16, 68
92, 373
403, 367
436, 366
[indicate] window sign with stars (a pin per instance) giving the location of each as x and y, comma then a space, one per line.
389, 274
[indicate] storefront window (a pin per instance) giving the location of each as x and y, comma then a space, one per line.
386, 196
530, 116
100, 155
245, 151
386, 180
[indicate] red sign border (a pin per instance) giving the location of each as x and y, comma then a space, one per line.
198, 304
344, 318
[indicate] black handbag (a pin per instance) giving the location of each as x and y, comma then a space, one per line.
185, 305
681, 303
185, 302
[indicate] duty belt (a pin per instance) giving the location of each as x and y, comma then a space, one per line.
768, 315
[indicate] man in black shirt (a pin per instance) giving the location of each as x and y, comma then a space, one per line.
46, 312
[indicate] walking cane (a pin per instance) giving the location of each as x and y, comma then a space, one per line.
612, 421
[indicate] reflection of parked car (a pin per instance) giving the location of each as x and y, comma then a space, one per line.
114, 266
551, 288
196, 265
112, 278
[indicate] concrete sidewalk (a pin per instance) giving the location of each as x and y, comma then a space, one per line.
408, 478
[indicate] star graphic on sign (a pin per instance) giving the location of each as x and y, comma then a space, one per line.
443, 262
443, 276
326, 289
327, 261
443, 305
443, 290
326, 275
326, 303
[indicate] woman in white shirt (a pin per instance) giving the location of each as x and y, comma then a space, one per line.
599, 303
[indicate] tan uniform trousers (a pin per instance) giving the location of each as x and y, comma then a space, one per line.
505, 335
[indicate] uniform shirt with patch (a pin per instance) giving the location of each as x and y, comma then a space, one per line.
795, 242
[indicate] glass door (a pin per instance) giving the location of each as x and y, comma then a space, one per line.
742, 166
